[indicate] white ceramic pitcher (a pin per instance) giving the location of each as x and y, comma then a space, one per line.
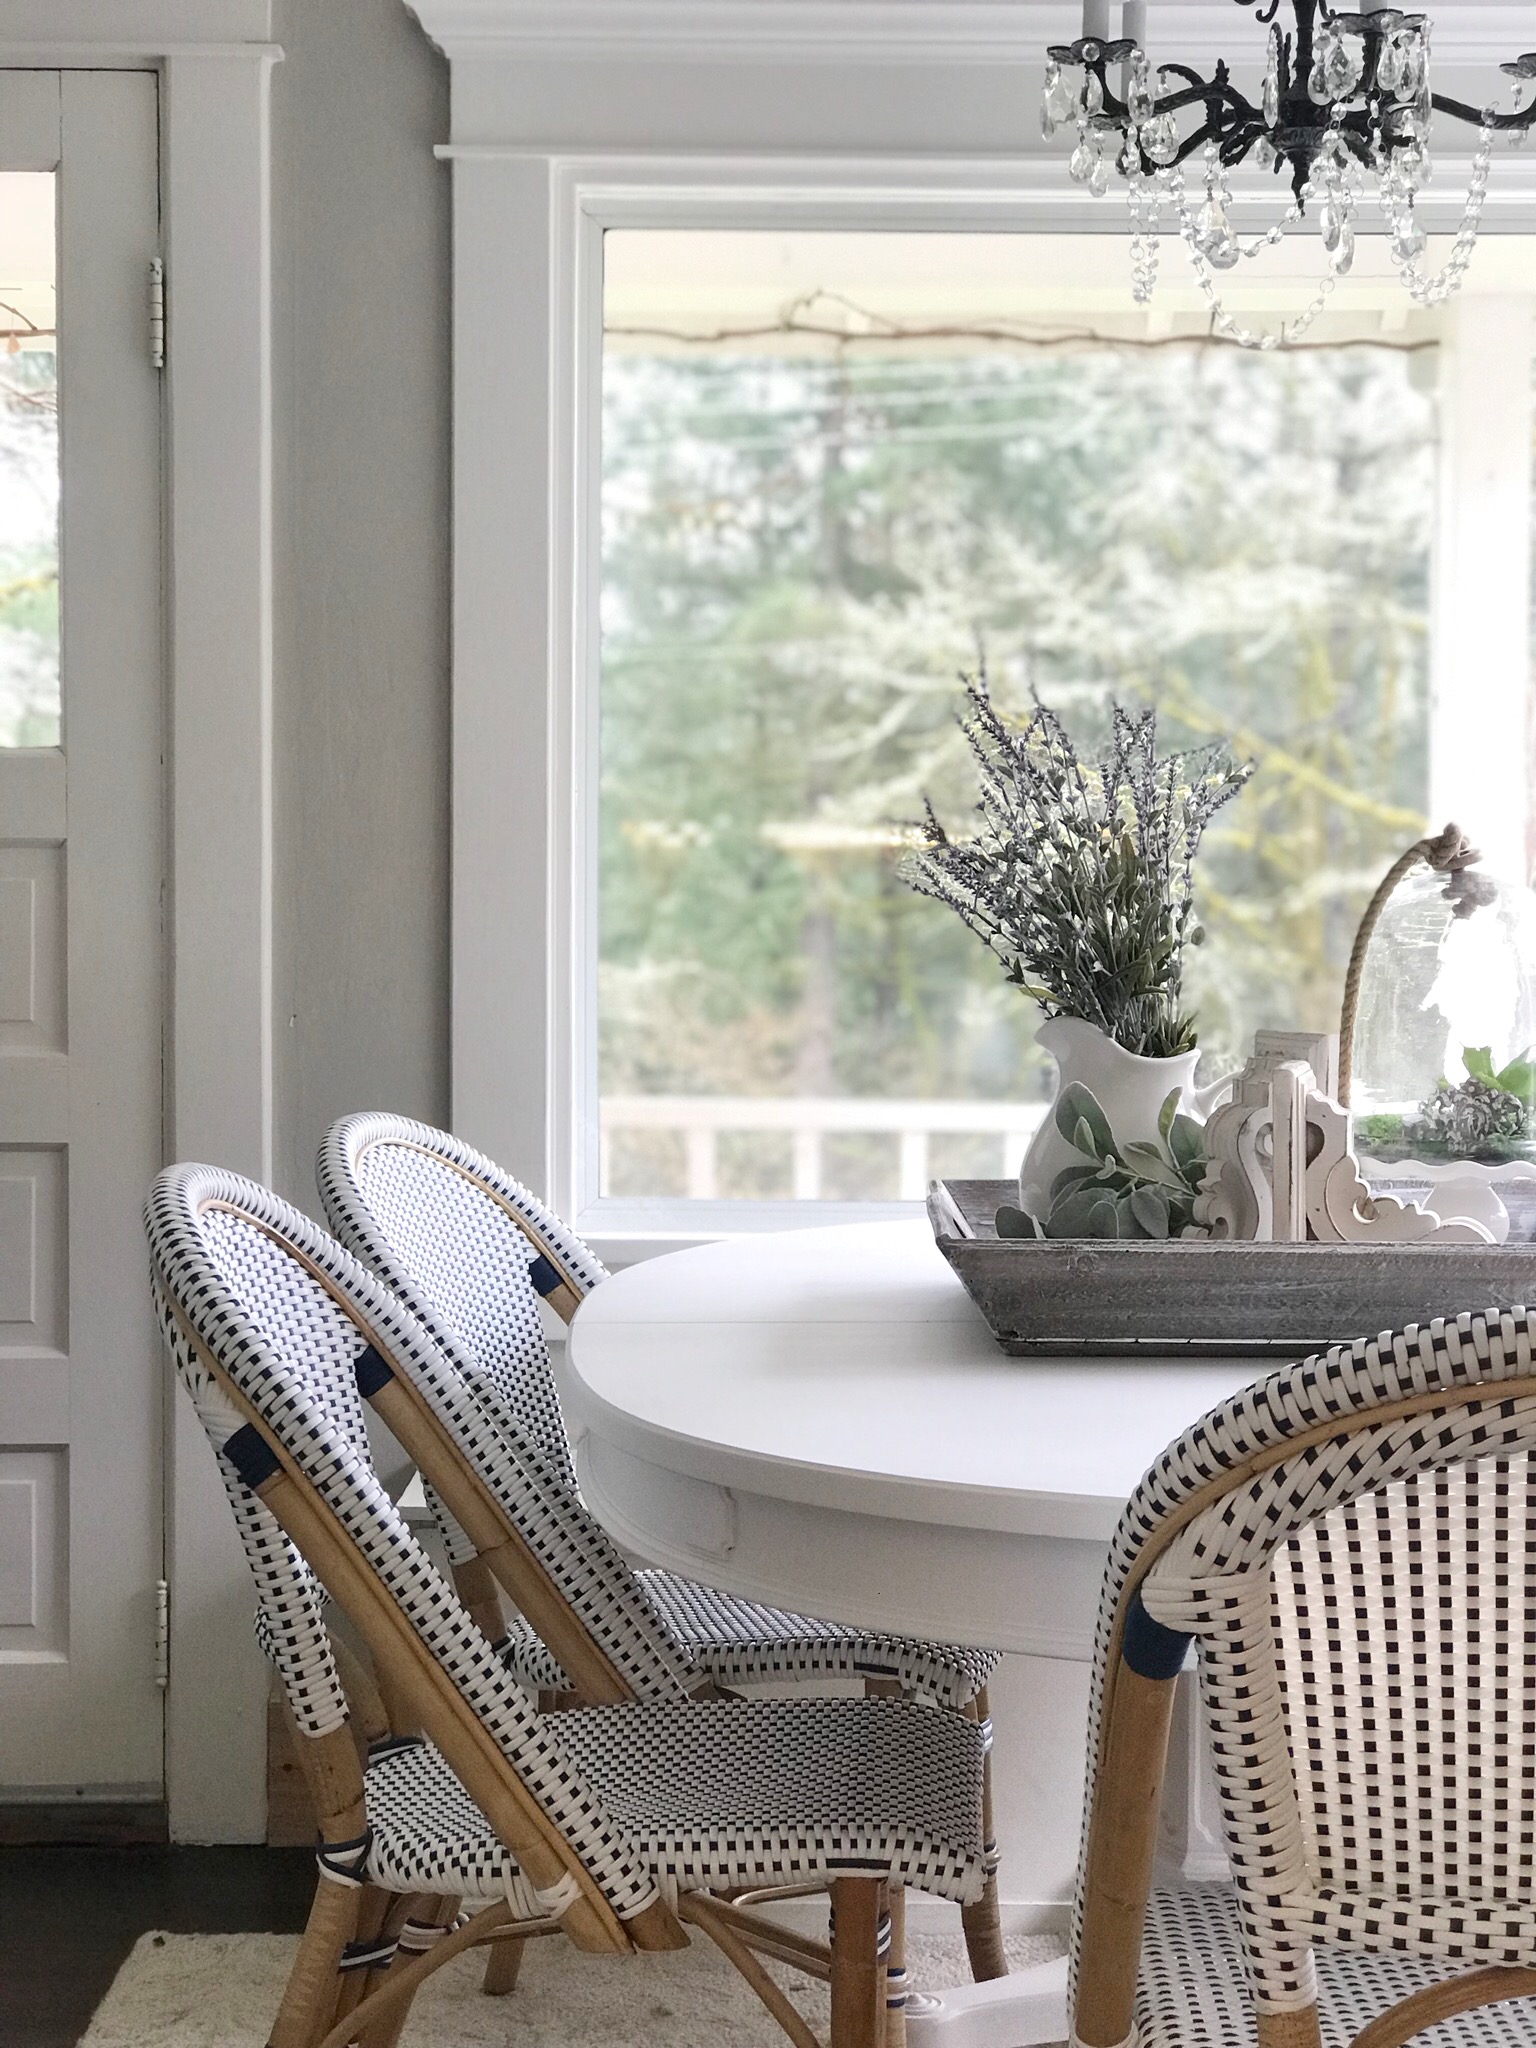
1130, 1089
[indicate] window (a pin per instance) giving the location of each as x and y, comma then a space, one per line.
29, 464
839, 469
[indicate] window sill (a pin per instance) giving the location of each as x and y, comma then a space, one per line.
622, 1233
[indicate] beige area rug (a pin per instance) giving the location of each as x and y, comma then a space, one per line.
221, 1991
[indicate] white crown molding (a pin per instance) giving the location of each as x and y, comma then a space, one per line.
68, 32
886, 31
1018, 192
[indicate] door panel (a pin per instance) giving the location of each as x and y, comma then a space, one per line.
81, 972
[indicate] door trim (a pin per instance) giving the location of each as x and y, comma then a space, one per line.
217, 498
215, 155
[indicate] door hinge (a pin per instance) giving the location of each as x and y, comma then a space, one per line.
157, 313
162, 1634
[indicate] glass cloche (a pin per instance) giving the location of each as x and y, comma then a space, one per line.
1445, 1036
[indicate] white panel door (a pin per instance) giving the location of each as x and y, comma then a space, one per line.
81, 964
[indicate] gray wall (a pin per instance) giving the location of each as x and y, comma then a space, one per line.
361, 375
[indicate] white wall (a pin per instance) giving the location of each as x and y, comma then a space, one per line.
359, 709
360, 234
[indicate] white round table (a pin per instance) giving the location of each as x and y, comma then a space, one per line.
821, 1419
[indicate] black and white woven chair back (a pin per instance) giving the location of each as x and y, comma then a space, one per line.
271, 1300
467, 1245
1364, 1608
431, 1218
290, 1624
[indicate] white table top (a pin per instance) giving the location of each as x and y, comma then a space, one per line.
847, 1367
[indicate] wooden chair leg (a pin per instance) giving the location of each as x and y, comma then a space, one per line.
503, 1961
982, 1920
1289, 2029
423, 1911
383, 2017
858, 1975
1122, 1839
896, 1970
372, 1913
401, 1906
318, 1994
309, 1998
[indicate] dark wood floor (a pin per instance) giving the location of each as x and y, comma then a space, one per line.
70, 1916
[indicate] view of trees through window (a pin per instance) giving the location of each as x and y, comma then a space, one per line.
803, 550
29, 464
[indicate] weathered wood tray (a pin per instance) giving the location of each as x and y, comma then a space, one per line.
1094, 1298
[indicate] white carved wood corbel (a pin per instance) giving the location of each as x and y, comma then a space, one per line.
1282, 1166
1236, 1199
1341, 1209
1255, 1187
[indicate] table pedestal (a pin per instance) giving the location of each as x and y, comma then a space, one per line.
1025, 2010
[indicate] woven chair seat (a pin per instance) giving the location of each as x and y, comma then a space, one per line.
721, 1795
741, 1642
1194, 1993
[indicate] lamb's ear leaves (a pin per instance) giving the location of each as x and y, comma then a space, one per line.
1519, 1078
1083, 1212
1014, 1222
1186, 1141
1168, 1112
1072, 1177
1151, 1165
1478, 1061
1082, 1123
1150, 1208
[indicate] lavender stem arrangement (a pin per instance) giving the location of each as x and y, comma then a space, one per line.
1079, 877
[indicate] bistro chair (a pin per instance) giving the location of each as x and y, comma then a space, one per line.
470, 1251
1350, 1545
611, 1824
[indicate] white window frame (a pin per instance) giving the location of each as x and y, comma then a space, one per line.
574, 116
524, 979
528, 363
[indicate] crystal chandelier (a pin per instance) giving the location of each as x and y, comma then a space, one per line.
1343, 97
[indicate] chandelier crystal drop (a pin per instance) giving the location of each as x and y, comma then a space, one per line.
1344, 97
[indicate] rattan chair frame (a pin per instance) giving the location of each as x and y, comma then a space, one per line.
571, 1272
1128, 1754
327, 2005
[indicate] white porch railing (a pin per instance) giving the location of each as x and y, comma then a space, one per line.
808, 1120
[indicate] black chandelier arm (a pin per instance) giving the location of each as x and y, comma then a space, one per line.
1219, 89
1234, 126
1222, 99
1477, 117
1232, 144
1214, 94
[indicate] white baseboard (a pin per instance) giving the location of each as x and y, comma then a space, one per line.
937, 1916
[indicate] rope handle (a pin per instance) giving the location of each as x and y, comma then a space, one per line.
1450, 853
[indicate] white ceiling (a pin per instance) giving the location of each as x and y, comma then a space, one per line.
1466, 31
